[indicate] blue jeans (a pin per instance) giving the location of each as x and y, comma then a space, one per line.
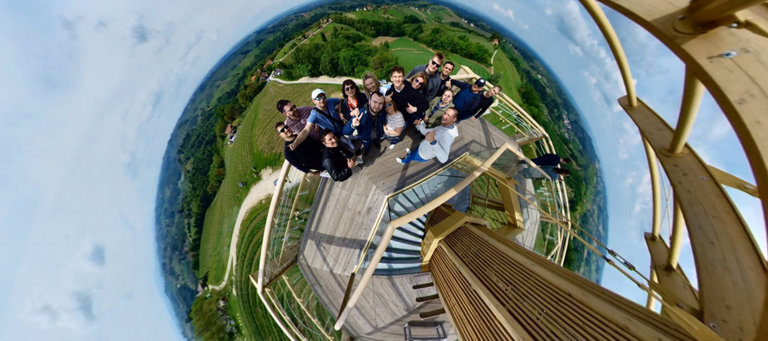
413, 156
394, 139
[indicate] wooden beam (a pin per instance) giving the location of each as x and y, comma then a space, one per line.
730, 180
731, 270
672, 284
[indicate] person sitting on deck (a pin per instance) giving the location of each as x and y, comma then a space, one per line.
394, 124
554, 172
337, 159
433, 80
353, 98
296, 118
488, 97
437, 141
468, 99
323, 115
445, 77
437, 108
369, 122
307, 157
412, 103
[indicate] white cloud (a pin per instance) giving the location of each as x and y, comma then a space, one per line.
505, 11
89, 94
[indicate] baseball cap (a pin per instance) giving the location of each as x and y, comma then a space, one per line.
479, 82
317, 92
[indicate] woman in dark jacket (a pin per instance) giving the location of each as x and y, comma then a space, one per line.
353, 98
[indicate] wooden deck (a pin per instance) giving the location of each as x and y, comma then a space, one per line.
342, 219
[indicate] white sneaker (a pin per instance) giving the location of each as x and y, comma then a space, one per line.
391, 146
400, 161
407, 150
359, 160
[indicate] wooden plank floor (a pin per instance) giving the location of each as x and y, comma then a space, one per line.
342, 219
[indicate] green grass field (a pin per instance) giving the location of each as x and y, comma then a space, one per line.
257, 145
510, 79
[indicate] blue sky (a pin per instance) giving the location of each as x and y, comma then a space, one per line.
89, 94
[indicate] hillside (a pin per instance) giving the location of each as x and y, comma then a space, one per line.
204, 178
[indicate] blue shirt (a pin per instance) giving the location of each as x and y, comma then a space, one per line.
333, 122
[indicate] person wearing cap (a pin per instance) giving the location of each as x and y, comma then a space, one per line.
433, 76
411, 103
323, 115
296, 118
468, 99
437, 141
489, 96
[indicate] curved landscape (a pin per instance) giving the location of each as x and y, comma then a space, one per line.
215, 182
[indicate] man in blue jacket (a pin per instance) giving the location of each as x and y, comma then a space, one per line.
468, 99
368, 121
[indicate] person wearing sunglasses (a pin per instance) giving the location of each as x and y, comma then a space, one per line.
433, 79
352, 99
419, 82
324, 115
307, 157
411, 102
296, 118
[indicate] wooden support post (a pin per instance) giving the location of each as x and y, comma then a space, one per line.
689, 108
671, 283
653, 170
676, 239
731, 270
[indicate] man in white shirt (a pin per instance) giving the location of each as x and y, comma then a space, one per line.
437, 141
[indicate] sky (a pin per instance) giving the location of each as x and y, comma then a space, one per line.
572, 46
90, 92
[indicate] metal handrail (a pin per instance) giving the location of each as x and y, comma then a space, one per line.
392, 225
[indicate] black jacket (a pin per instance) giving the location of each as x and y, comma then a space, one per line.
335, 162
484, 104
412, 96
306, 157
346, 110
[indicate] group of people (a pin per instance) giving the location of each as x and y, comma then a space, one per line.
335, 134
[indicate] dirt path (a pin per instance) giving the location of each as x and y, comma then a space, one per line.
380, 40
259, 191
302, 42
493, 56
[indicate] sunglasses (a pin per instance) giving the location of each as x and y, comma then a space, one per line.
292, 108
283, 129
347, 88
435, 63
416, 81
319, 97
389, 105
